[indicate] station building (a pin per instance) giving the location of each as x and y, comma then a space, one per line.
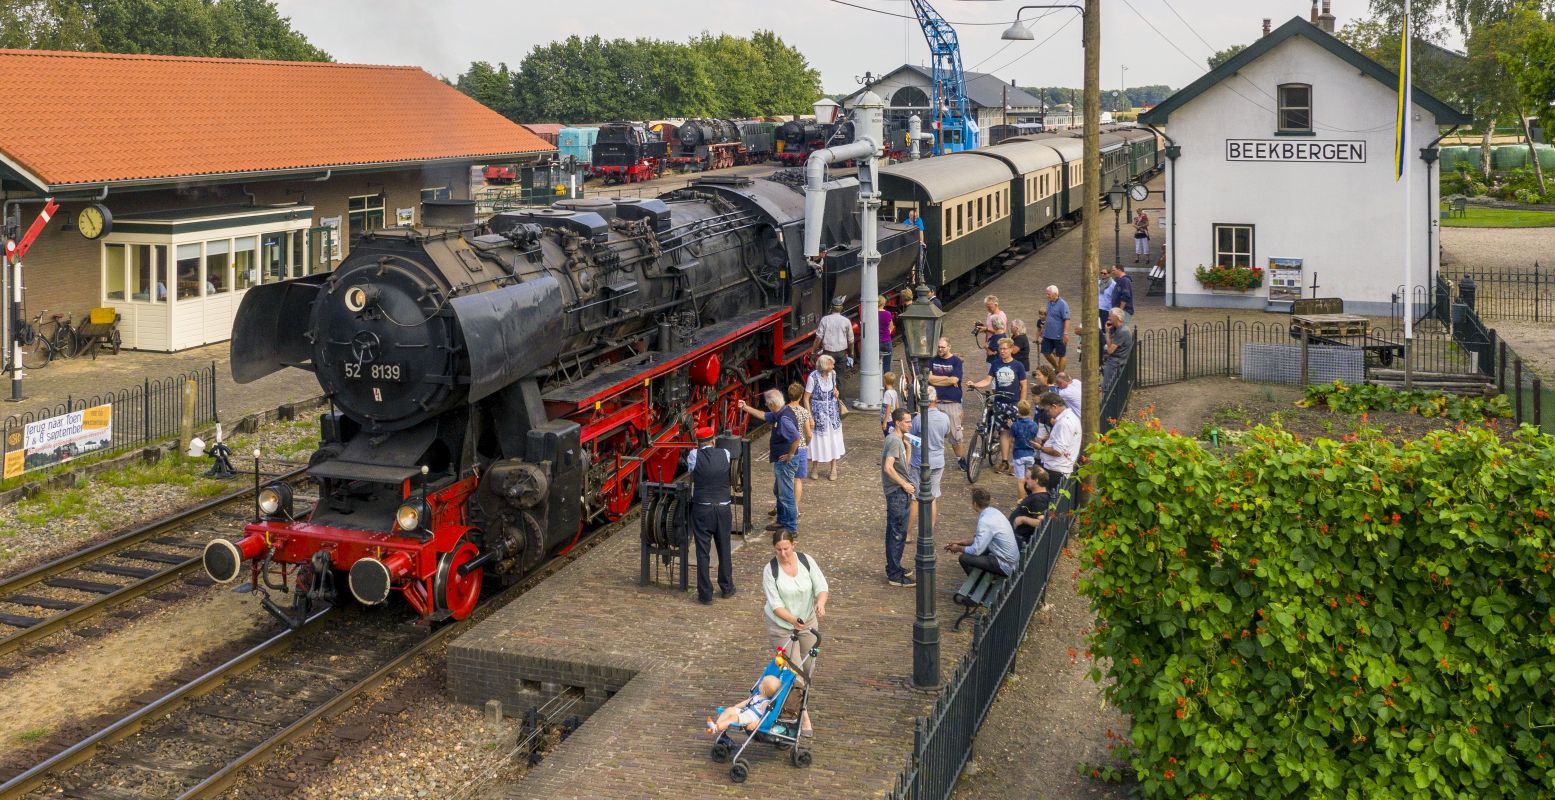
1282, 158
909, 90
206, 176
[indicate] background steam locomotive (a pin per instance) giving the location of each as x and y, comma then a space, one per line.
497, 387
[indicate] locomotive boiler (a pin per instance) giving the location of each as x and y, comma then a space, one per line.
497, 387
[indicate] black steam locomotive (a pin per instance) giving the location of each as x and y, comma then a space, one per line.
627, 152
496, 387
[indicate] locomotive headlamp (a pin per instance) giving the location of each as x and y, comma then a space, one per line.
410, 515
359, 297
275, 500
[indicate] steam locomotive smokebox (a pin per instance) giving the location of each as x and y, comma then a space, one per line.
656, 211
447, 213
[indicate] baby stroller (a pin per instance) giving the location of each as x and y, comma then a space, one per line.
780, 726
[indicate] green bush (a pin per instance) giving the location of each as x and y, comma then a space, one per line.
1342, 398
1327, 619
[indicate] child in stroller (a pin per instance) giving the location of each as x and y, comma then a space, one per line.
751, 711
768, 715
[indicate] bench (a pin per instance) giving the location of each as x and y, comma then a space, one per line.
974, 593
1157, 281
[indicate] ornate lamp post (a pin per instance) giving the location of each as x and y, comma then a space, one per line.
921, 325
1115, 197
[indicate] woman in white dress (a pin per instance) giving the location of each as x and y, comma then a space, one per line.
824, 402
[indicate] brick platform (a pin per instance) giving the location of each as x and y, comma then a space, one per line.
655, 663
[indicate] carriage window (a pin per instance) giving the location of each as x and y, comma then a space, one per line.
1234, 245
1295, 107
945, 228
960, 217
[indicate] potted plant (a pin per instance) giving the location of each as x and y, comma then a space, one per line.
1236, 279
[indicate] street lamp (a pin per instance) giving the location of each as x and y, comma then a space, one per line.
1020, 33
1115, 197
920, 324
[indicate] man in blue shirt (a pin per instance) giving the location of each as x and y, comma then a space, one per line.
1123, 292
783, 444
945, 375
993, 548
1055, 331
931, 437
1104, 287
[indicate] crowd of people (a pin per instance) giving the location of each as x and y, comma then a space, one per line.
1036, 404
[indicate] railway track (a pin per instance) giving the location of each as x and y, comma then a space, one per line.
69, 590
197, 739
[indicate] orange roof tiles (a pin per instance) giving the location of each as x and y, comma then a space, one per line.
89, 118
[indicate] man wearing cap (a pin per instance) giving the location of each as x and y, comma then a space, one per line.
711, 515
834, 337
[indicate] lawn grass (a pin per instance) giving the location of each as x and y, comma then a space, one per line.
1482, 217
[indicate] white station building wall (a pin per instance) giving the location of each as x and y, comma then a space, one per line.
1343, 219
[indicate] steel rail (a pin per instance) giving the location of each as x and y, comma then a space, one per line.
86, 748
79, 559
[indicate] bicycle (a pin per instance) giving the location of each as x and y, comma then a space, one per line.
39, 349
985, 447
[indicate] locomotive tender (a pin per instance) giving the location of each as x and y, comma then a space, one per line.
497, 387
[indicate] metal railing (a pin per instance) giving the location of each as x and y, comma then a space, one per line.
1533, 401
942, 741
1214, 349
145, 413
1521, 295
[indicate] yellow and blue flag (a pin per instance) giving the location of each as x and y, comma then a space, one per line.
1401, 123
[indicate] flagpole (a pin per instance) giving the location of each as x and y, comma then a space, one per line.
1404, 176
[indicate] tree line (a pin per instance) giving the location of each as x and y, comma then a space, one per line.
215, 28
590, 79
1131, 98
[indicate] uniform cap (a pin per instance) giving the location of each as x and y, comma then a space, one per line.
704, 432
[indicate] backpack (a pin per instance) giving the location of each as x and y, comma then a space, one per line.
773, 564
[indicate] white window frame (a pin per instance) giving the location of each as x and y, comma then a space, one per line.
1233, 253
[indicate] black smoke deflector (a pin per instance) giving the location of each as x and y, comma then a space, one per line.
271, 328
510, 332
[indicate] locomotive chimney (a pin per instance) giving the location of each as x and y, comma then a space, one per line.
1326, 19
1266, 22
447, 213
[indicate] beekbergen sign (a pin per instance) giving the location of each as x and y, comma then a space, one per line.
1309, 151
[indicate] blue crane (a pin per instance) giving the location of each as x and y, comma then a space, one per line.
957, 128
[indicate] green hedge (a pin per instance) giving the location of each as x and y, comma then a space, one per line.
1327, 619
1343, 398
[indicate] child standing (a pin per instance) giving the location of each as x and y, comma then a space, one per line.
1023, 430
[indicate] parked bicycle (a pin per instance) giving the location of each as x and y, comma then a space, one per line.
40, 347
984, 448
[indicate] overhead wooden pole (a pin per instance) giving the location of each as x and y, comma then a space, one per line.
1090, 334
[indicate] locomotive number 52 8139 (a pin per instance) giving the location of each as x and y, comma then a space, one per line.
375, 372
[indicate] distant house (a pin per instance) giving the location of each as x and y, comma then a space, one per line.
206, 176
907, 90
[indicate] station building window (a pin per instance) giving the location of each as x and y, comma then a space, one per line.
1234, 245
1295, 108
436, 193
365, 213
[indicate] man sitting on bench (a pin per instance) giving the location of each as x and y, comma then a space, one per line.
993, 549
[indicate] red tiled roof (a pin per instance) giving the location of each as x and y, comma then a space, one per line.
87, 118
545, 128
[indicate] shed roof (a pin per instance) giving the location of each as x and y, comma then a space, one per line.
91, 119
983, 89
1444, 114
950, 176
1024, 157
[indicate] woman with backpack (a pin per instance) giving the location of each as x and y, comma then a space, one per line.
796, 593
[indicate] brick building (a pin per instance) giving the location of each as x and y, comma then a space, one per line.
218, 174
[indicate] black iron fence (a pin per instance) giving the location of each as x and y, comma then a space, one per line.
1521, 295
1533, 401
942, 741
1214, 349
142, 414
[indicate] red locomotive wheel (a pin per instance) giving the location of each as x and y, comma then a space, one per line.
457, 594
619, 500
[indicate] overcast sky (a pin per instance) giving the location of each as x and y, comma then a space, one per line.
445, 36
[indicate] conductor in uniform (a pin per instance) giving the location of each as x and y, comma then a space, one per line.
712, 518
